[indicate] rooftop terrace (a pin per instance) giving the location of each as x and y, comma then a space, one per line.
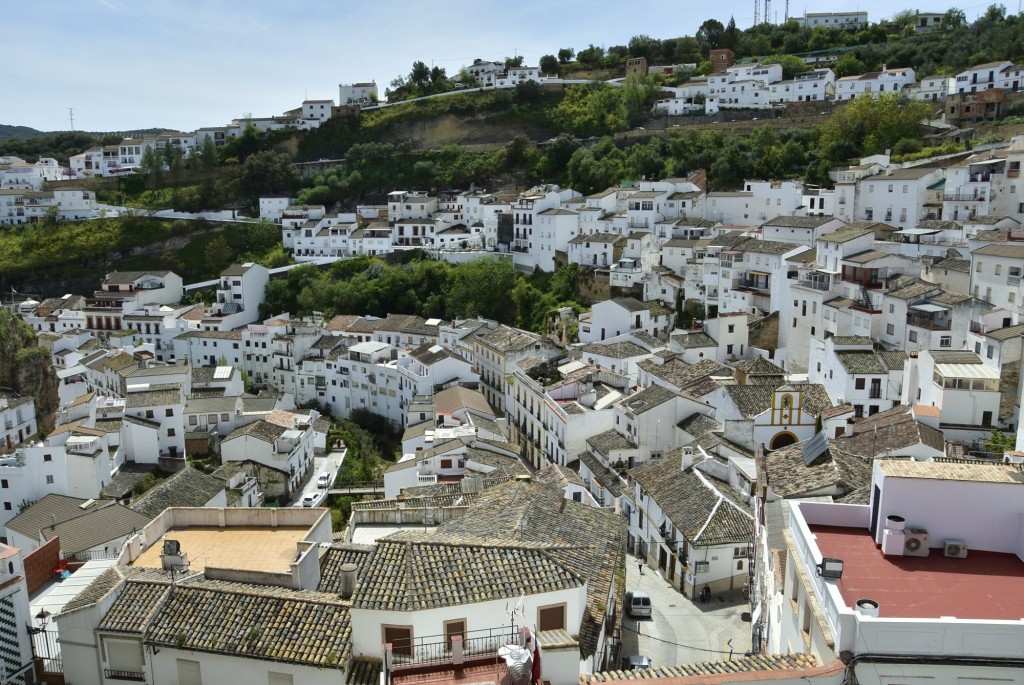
244, 549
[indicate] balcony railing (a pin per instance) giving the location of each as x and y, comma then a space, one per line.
136, 676
875, 394
437, 649
962, 197
816, 285
1013, 280
929, 324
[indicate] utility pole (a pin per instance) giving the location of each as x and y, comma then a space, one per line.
71, 115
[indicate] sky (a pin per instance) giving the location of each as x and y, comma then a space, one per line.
183, 64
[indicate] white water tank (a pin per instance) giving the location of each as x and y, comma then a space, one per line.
867, 607
894, 522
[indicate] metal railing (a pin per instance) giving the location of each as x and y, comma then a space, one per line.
113, 674
816, 285
437, 649
962, 197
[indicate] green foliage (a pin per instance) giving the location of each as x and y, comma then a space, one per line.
480, 288
592, 110
870, 125
999, 442
268, 173
791, 65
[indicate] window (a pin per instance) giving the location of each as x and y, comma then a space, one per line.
169, 412
859, 384
890, 329
47, 457
170, 432
3, 483
732, 328
946, 341
977, 268
189, 672
990, 352
551, 618
912, 336
7, 506
446, 463
400, 639
149, 413
453, 628
49, 480
999, 269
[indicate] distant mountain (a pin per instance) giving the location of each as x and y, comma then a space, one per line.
7, 132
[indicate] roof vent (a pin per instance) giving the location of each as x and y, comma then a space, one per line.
894, 522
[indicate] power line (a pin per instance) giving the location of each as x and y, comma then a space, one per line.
677, 644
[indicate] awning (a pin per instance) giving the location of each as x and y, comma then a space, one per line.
918, 231
930, 308
967, 371
73, 371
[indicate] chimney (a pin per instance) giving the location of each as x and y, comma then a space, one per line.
348, 580
687, 460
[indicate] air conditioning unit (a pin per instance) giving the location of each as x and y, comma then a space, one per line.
916, 542
956, 549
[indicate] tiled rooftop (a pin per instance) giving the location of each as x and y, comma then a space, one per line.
985, 585
251, 549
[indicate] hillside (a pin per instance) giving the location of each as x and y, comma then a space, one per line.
7, 132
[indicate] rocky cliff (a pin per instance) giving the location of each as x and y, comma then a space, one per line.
25, 368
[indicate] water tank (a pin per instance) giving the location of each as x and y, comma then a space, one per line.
867, 607
894, 522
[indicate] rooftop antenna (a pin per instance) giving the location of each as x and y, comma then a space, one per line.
757, 12
71, 115
768, 10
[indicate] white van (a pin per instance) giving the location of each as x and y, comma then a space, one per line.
638, 604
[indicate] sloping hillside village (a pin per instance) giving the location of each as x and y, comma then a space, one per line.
779, 446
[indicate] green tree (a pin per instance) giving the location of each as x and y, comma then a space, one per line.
565, 55
208, 157
953, 19
152, 166
849, 65
791, 65
481, 288
514, 62
868, 125
999, 442
549, 64
268, 173
709, 35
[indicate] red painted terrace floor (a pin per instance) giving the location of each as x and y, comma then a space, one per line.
481, 674
985, 585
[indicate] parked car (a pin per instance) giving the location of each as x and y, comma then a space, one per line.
635, 662
638, 604
311, 500
323, 480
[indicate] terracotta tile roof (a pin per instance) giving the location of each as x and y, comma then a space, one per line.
336, 556
100, 587
800, 221
703, 512
364, 671
406, 576
788, 476
888, 432
47, 511
457, 397
187, 488
135, 607
608, 478
95, 528
588, 543
559, 476
608, 441
296, 626
751, 400
982, 473
261, 429
617, 350
706, 670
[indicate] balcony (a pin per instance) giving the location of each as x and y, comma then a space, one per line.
135, 676
815, 285
962, 197
436, 650
1013, 280
875, 394
929, 323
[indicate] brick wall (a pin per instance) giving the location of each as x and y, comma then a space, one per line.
39, 565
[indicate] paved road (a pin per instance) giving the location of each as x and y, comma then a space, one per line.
327, 463
680, 631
